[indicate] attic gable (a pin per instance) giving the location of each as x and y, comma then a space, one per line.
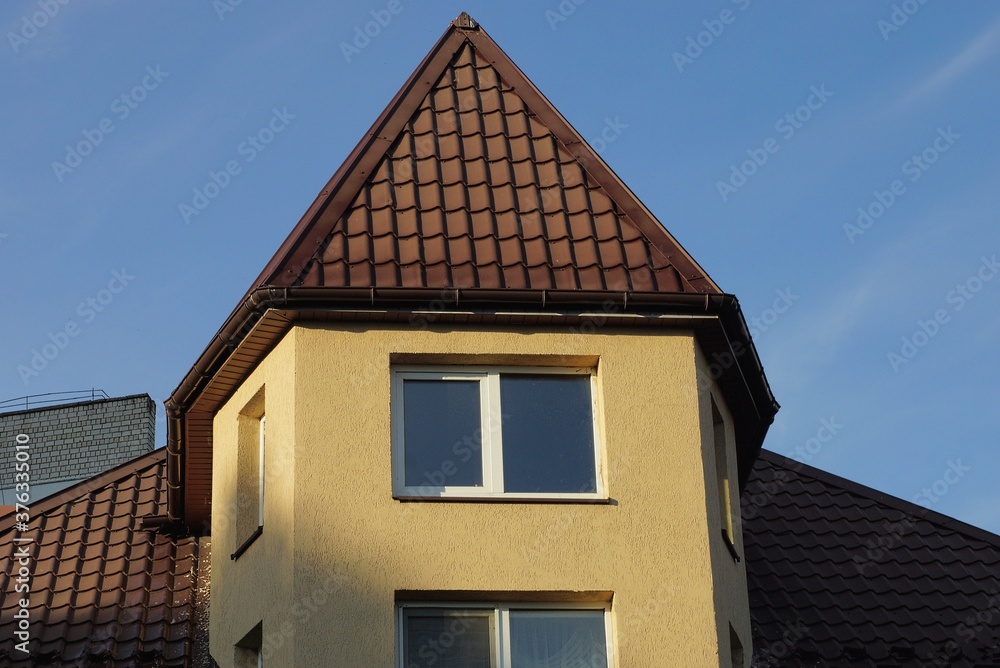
472, 179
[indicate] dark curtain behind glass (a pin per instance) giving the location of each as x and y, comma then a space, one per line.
548, 433
442, 639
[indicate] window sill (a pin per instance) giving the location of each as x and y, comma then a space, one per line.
247, 543
508, 498
731, 546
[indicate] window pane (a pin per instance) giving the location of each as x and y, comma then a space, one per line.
546, 639
442, 438
447, 639
548, 433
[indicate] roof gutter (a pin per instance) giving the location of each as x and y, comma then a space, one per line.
259, 301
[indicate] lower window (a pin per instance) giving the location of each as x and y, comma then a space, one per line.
503, 636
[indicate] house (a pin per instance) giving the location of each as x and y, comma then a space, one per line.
455, 348
72, 436
479, 409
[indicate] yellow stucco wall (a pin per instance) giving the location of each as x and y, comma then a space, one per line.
259, 584
328, 393
730, 577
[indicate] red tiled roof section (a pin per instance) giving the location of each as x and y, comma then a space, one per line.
842, 575
476, 192
471, 179
102, 591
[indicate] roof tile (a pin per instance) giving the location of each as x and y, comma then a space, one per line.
80, 605
460, 154
810, 559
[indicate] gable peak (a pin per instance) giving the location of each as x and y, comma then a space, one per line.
465, 22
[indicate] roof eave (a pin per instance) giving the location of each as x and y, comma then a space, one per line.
733, 336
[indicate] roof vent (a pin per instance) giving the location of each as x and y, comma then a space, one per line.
465, 21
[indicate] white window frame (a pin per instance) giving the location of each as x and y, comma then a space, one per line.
488, 378
260, 472
500, 623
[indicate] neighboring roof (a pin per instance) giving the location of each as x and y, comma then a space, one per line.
470, 195
103, 592
842, 575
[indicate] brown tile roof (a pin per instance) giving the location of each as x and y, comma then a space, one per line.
842, 575
103, 592
472, 179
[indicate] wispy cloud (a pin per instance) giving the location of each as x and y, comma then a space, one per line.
815, 337
984, 45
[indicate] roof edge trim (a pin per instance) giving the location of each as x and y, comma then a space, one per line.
245, 318
336, 195
83, 487
594, 164
880, 497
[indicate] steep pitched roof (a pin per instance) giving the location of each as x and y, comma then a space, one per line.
103, 592
842, 575
471, 179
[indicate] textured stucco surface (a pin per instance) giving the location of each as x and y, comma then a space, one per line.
258, 585
330, 505
730, 577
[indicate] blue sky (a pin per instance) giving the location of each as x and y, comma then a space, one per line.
754, 131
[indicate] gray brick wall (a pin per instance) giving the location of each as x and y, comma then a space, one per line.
76, 441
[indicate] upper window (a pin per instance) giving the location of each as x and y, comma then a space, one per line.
503, 636
249, 520
511, 432
722, 473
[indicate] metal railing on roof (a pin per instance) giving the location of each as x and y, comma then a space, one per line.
50, 398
